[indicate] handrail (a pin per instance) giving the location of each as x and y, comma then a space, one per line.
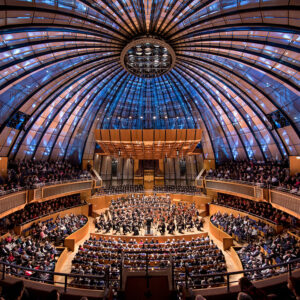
235, 181
261, 185
245, 211
200, 174
228, 274
43, 184
15, 190
106, 279
51, 213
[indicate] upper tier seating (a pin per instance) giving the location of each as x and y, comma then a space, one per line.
241, 228
177, 189
124, 189
257, 208
270, 174
36, 210
32, 173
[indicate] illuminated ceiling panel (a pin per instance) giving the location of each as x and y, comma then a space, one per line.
228, 66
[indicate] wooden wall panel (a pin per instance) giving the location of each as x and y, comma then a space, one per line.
105, 136
160, 135
148, 135
170, 135
125, 135
115, 135
3, 166
294, 165
136, 135
181, 134
190, 134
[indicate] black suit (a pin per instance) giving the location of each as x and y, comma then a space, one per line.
148, 223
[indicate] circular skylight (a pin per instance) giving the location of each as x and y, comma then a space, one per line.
148, 57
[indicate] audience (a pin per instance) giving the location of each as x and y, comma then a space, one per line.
37, 252
257, 208
36, 210
192, 190
29, 173
58, 230
241, 228
29, 253
294, 286
198, 256
135, 213
54, 295
272, 251
16, 291
274, 174
249, 291
124, 189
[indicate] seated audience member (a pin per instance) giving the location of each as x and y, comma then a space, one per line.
16, 291
54, 295
269, 174
96, 255
258, 208
28, 173
294, 286
123, 189
36, 210
264, 253
242, 228
181, 189
58, 230
250, 290
37, 253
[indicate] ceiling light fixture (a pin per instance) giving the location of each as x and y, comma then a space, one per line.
148, 57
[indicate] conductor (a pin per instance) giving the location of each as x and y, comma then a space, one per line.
149, 221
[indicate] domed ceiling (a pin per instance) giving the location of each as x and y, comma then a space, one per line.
234, 74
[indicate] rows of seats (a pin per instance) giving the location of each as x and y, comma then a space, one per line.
33, 211
263, 253
37, 252
268, 174
124, 189
241, 228
181, 189
29, 174
198, 256
257, 208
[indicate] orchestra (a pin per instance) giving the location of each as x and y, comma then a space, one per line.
139, 214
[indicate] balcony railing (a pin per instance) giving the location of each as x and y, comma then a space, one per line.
287, 201
60, 188
101, 282
11, 201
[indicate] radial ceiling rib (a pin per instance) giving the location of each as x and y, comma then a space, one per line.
236, 75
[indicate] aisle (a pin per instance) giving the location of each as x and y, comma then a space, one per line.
231, 266
67, 265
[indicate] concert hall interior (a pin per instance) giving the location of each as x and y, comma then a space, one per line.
149, 149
